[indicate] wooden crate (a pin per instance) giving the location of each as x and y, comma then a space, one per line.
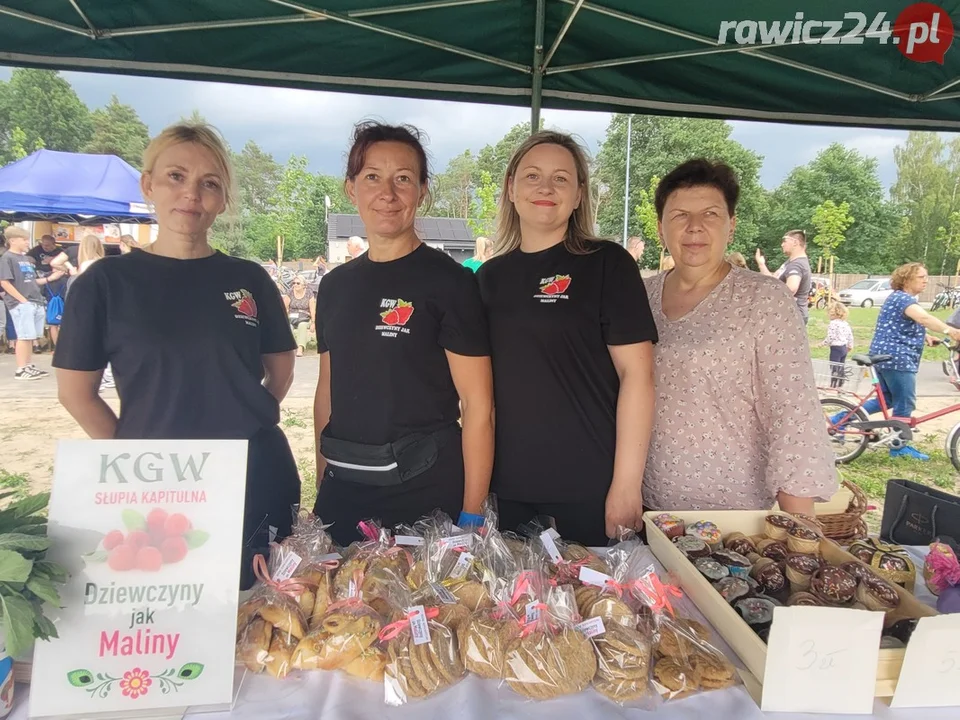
737, 634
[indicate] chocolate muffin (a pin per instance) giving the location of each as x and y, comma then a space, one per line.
756, 612
777, 526
734, 561
799, 569
877, 594
858, 570
833, 585
770, 577
733, 589
711, 569
773, 549
802, 539
692, 547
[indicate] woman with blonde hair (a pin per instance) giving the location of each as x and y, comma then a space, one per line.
480, 254
571, 335
198, 341
901, 332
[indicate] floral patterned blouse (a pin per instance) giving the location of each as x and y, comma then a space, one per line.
737, 414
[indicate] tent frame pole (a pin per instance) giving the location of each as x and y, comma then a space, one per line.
561, 35
537, 86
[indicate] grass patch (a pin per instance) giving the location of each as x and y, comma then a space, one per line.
292, 419
863, 321
18, 484
308, 482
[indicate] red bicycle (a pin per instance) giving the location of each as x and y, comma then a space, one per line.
852, 431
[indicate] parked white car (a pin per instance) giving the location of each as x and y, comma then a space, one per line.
867, 293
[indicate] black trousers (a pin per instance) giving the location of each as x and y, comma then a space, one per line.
346, 503
273, 489
838, 356
583, 521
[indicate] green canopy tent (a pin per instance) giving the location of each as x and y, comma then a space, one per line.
623, 55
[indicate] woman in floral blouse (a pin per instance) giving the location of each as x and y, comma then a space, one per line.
738, 423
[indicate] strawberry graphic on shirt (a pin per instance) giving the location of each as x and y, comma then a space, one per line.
246, 305
557, 285
398, 315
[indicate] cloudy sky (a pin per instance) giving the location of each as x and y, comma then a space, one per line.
317, 124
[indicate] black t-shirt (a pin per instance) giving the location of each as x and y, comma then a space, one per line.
184, 339
386, 326
43, 258
552, 315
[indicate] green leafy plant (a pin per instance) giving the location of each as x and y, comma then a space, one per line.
27, 580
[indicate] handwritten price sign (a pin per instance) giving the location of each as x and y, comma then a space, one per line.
822, 660
931, 667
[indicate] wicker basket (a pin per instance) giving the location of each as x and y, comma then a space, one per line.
847, 526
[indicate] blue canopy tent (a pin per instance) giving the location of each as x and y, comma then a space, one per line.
72, 187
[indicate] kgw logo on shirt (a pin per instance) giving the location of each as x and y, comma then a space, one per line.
394, 317
552, 288
246, 306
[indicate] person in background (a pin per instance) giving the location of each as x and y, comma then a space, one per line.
481, 251
737, 260
43, 254
24, 299
128, 243
901, 332
795, 272
355, 248
738, 423
199, 343
840, 341
635, 246
572, 341
7, 333
66, 261
301, 303
404, 356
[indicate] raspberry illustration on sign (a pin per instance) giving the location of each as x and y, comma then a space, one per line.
149, 542
398, 315
557, 285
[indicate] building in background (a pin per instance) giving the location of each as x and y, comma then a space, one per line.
451, 235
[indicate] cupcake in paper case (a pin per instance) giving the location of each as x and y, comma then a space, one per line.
669, 525
776, 527
706, 531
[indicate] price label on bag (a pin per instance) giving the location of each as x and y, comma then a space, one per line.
408, 540
462, 567
533, 612
931, 666
822, 660
465, 540
592, 577
288, 566
419, 630
550, 546
592, 627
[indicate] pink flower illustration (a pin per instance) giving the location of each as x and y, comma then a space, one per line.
135, 683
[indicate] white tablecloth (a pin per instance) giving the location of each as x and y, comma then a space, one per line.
335, 696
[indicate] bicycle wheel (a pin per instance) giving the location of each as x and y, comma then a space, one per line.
847, 446
952, 446
821, 303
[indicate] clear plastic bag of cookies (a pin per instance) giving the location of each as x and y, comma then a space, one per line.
272, 609
410, 538
486, 634
564, 559
422, 654
311, 550
450, 557
550, 658
344, 633
378, 560
685, 661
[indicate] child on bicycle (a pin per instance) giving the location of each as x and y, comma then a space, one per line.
840, 339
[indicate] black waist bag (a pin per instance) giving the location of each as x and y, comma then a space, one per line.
915, 514
389, 464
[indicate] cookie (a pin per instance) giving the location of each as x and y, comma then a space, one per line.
713, 670
611, 609
453, 616
674, 675
399, 669
279, 661
483, 642
253, 648
622, 691
472, 595
369, 666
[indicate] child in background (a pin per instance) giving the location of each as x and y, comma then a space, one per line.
840, 339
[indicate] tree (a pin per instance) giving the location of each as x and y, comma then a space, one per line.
658, 145
118, 130
831, 221
645, 215
256, 176
843, 175
928, 178
486, 210
453, 189
494, 159
44, 106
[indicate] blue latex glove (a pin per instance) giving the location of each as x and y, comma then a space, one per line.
469, 521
